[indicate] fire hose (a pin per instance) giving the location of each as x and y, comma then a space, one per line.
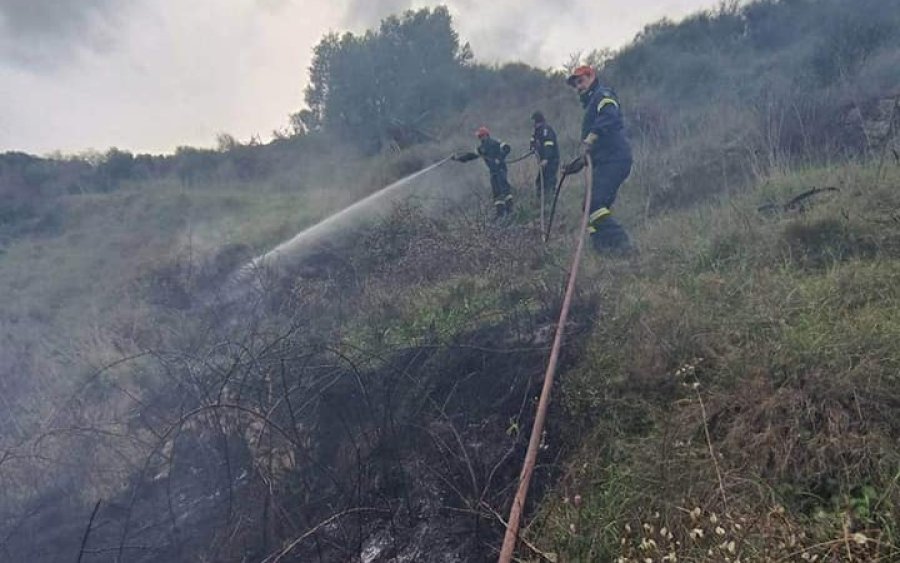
469, 156
515, 513
520, 158
568, 170
541, 190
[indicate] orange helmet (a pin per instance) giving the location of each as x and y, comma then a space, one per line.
583, 70
482, 132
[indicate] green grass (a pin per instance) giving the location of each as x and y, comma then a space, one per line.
108, 242
786, 328
784, 325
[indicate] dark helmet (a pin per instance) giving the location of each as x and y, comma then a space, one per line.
537, 117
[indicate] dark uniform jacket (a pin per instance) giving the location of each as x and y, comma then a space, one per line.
543, 143
494, 154
603, 116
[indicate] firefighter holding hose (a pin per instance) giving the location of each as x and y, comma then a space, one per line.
603, 140
494, 153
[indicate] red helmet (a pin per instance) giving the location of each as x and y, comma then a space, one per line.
482, 132
583, 70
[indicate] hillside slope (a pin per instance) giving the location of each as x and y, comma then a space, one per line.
727, 394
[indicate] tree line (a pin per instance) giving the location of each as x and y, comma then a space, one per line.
377, 87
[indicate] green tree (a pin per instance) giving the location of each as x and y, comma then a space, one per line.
404, 74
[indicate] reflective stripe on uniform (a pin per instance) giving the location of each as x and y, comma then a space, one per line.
508, 198
605, 102
596, 217
499, 202
548, 143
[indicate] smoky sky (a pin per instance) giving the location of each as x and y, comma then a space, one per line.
50, 32
510, 32
362, 13
541, 33
152, 75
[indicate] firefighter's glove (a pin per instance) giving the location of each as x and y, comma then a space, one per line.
588, 142
575, 166
543, 163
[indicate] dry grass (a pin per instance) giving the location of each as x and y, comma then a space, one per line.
737, 400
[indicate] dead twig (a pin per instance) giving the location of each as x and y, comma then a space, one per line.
712, 452
534, 549
795, 203
87, 531
276, 557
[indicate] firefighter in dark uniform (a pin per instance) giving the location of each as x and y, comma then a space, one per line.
494, 153
603, 140
544, 145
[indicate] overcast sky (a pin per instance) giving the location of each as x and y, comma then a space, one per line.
152, 75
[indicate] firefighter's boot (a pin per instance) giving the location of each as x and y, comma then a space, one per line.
499, 210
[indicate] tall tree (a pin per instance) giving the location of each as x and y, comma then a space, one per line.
405, 73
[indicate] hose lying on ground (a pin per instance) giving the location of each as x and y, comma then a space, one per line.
515, 513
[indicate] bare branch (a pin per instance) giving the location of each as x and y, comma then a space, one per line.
276, 557
87, 531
